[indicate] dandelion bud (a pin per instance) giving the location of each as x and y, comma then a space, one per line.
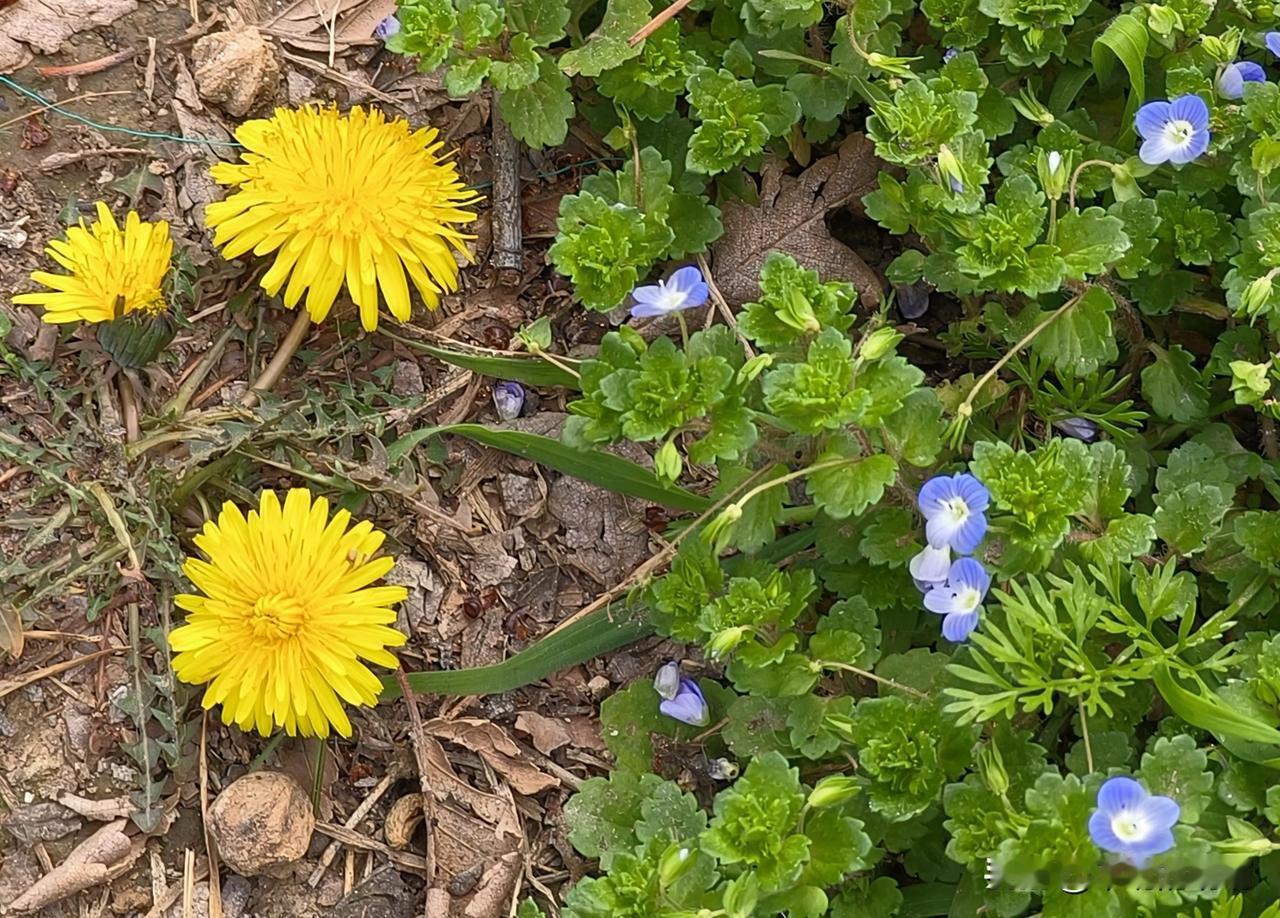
1256, 295
508, 400
833, 790
667, 682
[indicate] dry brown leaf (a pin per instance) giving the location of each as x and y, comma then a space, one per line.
11, 635
103, 810
547, 733
492, 898
495, 747
46, 24
96, 861
791, 218
446, 784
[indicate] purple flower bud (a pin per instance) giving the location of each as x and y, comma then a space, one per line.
1078, 428
508, 399
385, 29
949, 55
688, 706
667, 682
913, 299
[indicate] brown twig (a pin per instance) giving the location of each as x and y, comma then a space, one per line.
55, 161
722, 305
419, 737
357, 814
85, 67
507, 243
657, 22
60, 104
9, 686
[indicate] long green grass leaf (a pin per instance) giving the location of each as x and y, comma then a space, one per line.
603, 630
1124, 40
619, 475
533, 371
1207, 711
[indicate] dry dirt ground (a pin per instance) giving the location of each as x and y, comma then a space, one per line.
103, 760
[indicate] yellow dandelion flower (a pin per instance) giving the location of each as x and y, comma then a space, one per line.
287, 615
114, 272
349, 199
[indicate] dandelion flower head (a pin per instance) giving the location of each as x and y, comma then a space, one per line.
352, 200
112, 271
286, 616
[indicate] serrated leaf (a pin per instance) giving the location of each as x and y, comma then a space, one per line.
607, 46
542, 20
1174, 386
1080, 340
849, 488
539, 113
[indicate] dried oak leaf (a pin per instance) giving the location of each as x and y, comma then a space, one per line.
495, 747
99, 859
791, 218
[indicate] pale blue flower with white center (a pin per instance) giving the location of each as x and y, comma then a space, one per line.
1173, 132
960, 598
1272, 41
1131, 822
954, 511
685, 289
386, 28
667, 682
688, 706
929, 569
1233, 77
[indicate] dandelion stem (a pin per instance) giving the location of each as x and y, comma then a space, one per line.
275, 369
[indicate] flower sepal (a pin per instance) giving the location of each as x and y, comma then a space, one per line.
135, 339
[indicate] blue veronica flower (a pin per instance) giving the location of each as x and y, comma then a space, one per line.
1233, 77
1132, 823
1272, 41
683, 290
508, 400
667, 682
953, 508
1173, 132
960, 598
1079, 428
929, 569
688, 706
386, 28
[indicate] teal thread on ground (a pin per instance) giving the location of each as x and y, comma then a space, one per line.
159, 135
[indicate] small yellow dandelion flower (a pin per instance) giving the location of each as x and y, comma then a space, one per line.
352, 199
287, 615
114, 272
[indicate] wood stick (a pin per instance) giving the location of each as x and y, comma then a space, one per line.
507, 242
84, 67
419, 737
658, 22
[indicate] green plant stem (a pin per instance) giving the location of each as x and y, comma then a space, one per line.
966, 407
1075, 177
275, 369
792, 476
177, 405
1084, 734
271, 746
867, 674
317, 774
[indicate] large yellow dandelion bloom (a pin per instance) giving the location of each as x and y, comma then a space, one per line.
114, 272
286, 616
352, 199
